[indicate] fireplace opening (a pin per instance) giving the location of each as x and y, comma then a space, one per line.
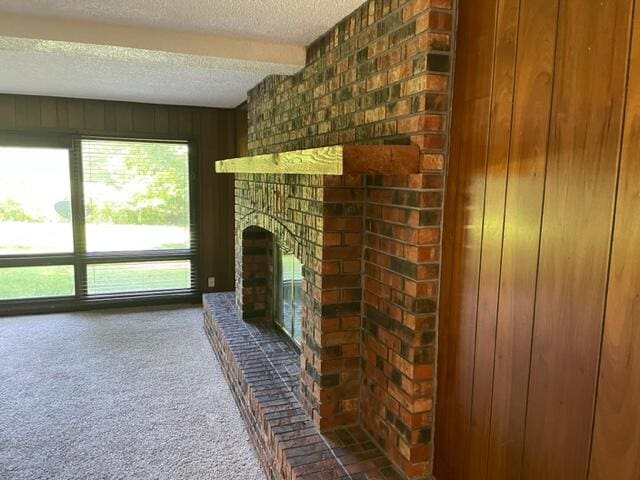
288, 293
257, 274
272, 283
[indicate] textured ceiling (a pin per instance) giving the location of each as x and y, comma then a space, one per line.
291, 21
127, 74
181, 52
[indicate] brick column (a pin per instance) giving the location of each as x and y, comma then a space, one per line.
402, 249
331, 360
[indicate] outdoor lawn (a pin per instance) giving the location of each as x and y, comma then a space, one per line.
26, 282
27, 238
47, 281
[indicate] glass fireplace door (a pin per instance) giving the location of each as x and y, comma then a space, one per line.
289, 294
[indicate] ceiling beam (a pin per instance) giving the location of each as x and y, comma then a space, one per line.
169, 41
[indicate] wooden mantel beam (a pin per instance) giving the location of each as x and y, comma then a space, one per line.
335, 160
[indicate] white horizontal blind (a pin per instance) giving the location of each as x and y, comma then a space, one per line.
138, 212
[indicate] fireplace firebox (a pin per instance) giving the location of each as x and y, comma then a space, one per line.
272, 279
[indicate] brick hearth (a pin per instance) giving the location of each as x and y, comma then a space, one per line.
262, 370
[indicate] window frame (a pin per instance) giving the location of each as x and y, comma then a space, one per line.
80, 258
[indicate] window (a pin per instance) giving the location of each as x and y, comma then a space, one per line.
35, 195
95, 219
35, 221
136, 195
138, 276
288, 290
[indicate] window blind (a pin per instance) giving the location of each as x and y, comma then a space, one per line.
138, 213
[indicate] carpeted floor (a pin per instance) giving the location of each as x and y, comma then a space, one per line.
134, 394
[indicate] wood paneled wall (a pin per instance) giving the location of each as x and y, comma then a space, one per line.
539, 335
242, 131
212, 130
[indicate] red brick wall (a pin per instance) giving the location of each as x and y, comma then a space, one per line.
401, 263
380, 76
257, 274
339, 335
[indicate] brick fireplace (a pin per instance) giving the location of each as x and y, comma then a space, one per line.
320, 220
357, 395
327, 221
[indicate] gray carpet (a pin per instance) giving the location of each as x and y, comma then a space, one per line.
134, 394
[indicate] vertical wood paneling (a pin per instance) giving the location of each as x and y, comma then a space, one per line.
208, 197
48, 112
523, 309
110, 117
161, 119
76, 114
124, 117
21, 112
94, 118
492, 233
472, 109
33, 119
580, 191
174, 121
27, 112
7, 111
523, 215
185, 121
196, 119
222, 215
616, 438
242, 133
143, 118
213, 130
62, 110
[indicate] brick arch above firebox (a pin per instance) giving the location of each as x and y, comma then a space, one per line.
271, 224
259, 236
